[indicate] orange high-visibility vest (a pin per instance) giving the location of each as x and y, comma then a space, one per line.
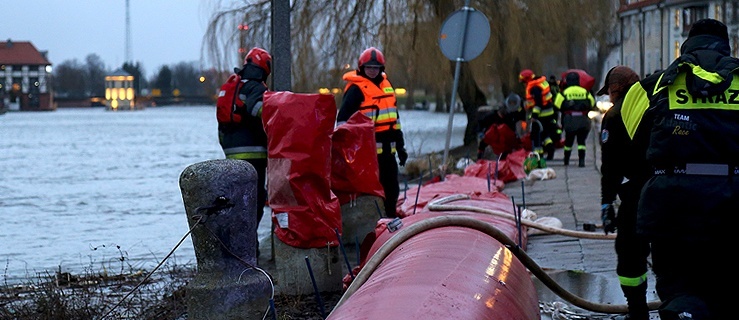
379, 102
546, 93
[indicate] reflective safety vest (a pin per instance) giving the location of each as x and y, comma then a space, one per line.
547, 108
575, 100
682, 127
379, 102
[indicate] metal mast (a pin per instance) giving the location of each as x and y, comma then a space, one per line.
129, 51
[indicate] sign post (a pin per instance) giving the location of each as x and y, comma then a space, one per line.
463, 37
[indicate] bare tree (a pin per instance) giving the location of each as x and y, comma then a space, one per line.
70, 80
95, 72
186, 78
327, 36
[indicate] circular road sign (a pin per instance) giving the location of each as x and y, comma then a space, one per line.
476, 31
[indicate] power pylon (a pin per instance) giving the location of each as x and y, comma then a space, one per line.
129, 50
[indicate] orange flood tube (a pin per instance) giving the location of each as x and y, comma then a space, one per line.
448, 272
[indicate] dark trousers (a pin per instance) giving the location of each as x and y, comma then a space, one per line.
260, 165
389, 180
632, 251
580, 134
543, 137
690, 222
689, 275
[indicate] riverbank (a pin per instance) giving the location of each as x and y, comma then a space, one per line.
128, 291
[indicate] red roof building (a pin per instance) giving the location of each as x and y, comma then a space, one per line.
25, 75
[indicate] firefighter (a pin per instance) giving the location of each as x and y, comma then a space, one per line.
617, 178
684, 121
511, 114
368, 91
543, 113
247, 140
574, 102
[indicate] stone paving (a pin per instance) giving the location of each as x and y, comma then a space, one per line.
585, 267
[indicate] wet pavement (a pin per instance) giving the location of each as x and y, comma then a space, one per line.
585, 267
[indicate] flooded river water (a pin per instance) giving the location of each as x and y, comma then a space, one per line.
88, 189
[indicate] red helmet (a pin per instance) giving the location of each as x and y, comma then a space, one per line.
371, 57
526, 75
261, 58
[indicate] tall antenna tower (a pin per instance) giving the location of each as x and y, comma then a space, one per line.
129, 51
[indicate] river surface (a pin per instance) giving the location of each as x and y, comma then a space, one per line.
92, 190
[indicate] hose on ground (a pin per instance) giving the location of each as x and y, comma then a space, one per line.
439, 205
463, 221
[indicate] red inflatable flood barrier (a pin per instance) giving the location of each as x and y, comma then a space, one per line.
445, 272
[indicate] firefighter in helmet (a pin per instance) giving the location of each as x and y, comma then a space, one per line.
368, 91
539, 102
246, 140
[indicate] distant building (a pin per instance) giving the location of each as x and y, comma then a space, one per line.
25, 75
652, 31
119, 92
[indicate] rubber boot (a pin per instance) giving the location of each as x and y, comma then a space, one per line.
636, 299
568, 153
550, 151
581, 158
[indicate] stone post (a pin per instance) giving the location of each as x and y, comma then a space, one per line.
220, 200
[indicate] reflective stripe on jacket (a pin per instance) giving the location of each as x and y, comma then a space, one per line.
243, 153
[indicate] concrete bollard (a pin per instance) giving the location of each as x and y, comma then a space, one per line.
359, 217
221, 194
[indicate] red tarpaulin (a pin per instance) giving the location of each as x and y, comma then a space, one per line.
586, 81
501, 139
299, 128
353, 153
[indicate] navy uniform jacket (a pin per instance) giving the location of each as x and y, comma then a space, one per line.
684, 117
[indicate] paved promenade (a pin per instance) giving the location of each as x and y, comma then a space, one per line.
585, 267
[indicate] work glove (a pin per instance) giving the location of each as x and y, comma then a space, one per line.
608, 216
403, 156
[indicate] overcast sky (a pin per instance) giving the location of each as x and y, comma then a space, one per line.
163, 32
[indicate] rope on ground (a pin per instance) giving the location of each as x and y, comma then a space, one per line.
151, 272
439, 205
217, 205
